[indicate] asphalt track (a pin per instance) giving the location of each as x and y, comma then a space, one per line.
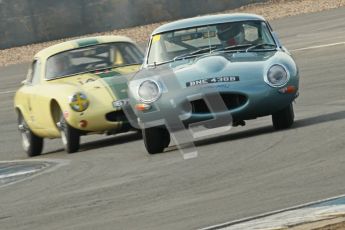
113, 184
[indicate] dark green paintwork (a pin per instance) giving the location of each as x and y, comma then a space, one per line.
118, 86
108, 74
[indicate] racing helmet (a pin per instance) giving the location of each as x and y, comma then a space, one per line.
231, 32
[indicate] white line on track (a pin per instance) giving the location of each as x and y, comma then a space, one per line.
58, 163
7, 92
19, 173
319, 46
250, 218
292, 218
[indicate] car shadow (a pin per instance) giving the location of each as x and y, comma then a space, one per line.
53, 151
125, 138
305, 122
328, 117
116, 140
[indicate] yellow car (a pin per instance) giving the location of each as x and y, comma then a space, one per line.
76, 88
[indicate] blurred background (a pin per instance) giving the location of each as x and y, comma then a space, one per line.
24, 22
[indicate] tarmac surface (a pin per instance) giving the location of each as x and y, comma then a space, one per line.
112, 183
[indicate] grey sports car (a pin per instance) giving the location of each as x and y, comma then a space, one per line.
212, 71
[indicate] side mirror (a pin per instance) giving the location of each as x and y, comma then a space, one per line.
286, 50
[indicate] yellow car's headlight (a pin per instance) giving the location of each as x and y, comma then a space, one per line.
79, 102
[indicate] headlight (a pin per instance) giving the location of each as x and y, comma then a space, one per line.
277, 76
149, 91
79, 102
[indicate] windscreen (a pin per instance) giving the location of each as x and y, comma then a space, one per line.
169, 45
91, 58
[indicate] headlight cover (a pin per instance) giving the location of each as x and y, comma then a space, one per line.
79, 102
149, 91
277, 76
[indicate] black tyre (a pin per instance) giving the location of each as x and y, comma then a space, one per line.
156, 139
32, 144
166, 139
69, 135
284, 118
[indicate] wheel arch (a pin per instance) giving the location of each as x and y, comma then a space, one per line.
55, 110
21, 112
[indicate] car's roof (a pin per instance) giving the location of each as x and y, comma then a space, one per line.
206, 20
81, 42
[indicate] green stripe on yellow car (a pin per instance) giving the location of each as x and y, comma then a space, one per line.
111, 73
118, 71
117, 80
87, 42
118, 87
114, 81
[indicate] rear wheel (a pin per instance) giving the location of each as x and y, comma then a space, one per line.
284, 118
70, 136
156, 139
32, 144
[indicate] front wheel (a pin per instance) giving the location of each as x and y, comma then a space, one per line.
284, 118
70, 136
32, 144
156, 139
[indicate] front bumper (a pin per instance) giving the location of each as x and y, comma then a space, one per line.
254, 100
98, 121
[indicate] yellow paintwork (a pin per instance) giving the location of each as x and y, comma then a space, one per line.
156, 38
35, 101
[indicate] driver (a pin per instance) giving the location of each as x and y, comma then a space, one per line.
231, 34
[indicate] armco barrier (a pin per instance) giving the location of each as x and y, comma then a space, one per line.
30, 21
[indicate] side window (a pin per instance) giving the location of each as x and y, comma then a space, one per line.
266, 33
35, 73
29, 75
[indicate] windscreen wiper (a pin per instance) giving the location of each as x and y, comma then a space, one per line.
233, 47
154, 64
195, 52
111, 67
261, 45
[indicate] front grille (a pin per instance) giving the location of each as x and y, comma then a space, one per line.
199, 106
116, 116
231, 101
